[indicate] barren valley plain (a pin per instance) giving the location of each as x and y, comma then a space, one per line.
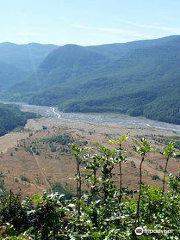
37, 158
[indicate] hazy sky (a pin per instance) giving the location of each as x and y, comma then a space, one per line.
87, 22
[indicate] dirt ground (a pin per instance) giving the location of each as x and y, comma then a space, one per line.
47, 167
10, 140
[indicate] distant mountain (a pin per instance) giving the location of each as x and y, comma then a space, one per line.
19, 61
10, 75
70, 61
137, 78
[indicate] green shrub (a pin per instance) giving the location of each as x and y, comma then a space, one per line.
24, 178
156, 177
63, 189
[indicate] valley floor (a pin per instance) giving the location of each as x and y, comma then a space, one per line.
36, 172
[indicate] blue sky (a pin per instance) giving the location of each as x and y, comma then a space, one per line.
87, 22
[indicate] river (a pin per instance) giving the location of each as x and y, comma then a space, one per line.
124, 120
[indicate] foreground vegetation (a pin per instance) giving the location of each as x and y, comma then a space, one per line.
12, 117
105, 208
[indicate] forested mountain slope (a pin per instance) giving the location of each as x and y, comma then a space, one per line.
19, 61
137, 78
10, 75
11, 117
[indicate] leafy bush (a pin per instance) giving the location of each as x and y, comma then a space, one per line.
61, 139
155, 177
63, 189
24, 178
106, 211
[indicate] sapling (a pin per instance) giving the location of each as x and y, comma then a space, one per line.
142, 148
108, 162
121, 157
93, 163
76, 152
169, 152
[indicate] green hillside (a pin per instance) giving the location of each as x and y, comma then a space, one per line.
137, 78
10, 75
11, 117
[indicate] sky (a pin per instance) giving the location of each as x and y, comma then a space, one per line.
87, 22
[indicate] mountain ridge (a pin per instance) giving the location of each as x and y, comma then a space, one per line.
25, 58
137, 79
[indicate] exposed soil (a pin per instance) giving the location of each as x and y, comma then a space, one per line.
47, 167
10, 140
